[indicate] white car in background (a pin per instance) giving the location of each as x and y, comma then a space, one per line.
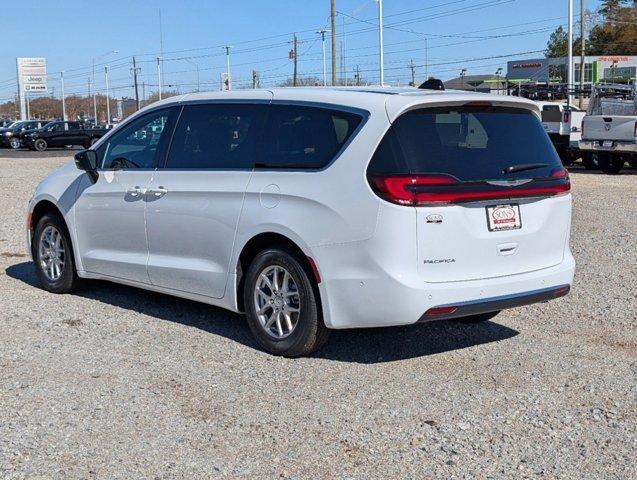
312, 209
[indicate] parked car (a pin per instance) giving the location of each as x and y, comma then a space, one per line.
60, 134
609, 129
563, 125
316, 209
10, 137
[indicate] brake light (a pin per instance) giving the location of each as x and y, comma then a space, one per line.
567, 116
582, 128
421, 190
636, 129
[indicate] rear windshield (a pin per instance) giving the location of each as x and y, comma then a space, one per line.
469, 143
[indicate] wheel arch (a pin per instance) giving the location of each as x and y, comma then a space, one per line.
41, 208
263, 241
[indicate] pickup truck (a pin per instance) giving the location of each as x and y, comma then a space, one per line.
609, 129
562, 123
61, 134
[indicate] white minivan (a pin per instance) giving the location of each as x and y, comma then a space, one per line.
312, 209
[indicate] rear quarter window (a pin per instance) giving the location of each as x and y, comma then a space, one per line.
303, 137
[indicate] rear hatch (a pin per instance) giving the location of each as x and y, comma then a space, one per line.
487, 187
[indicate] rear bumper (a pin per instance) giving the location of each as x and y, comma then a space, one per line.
494, 304
374, 297
618, 146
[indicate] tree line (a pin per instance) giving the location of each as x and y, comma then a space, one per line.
611, 30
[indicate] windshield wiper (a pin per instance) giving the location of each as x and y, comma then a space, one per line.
523, 167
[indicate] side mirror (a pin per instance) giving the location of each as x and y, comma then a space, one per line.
87, 160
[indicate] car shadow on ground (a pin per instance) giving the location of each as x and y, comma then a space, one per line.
356, 346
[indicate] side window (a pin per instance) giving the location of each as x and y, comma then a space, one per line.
305, 137
216, 136
137, 144
73, 126
58, 127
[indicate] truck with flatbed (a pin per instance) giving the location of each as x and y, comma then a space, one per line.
62, 134
609, 129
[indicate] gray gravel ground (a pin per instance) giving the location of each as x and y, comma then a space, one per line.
115, 382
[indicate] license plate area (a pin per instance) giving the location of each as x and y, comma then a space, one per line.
503, 217
607, 144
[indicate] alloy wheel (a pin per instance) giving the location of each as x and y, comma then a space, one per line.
277, 302
52, 255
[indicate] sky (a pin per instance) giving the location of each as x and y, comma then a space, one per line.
440, 36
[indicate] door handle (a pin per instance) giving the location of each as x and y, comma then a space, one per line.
135, 192
159, 191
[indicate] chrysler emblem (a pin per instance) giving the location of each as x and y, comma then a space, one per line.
607, 127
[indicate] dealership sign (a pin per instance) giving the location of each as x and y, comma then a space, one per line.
32, 74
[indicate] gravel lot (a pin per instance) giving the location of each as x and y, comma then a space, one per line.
115, 382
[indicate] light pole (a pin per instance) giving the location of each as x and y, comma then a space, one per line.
228, 47
197, 67
108, 98
159, 75
463, 72
381, 52
498, 72
63, 99
570, 52
112, 52
323, 32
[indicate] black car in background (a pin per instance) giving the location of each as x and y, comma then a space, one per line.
6, 123
61, 134
10, 136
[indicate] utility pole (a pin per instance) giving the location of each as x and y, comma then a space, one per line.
569, 80
333, 35
108, 98
135, 71
344, 54
582, 64
358, 76
413, 72
295, 56
63, 99
323, 32
255, 79
381, 47
143, 101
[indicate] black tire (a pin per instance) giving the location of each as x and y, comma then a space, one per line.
40, 145
566, 157
309, 333
14, 143
68, 280
478, 318
590, 160
610, 164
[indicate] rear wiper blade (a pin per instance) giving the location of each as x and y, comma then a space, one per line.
523, 167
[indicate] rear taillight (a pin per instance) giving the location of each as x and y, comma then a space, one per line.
422, 190
567, 117
582, 128
636, 129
